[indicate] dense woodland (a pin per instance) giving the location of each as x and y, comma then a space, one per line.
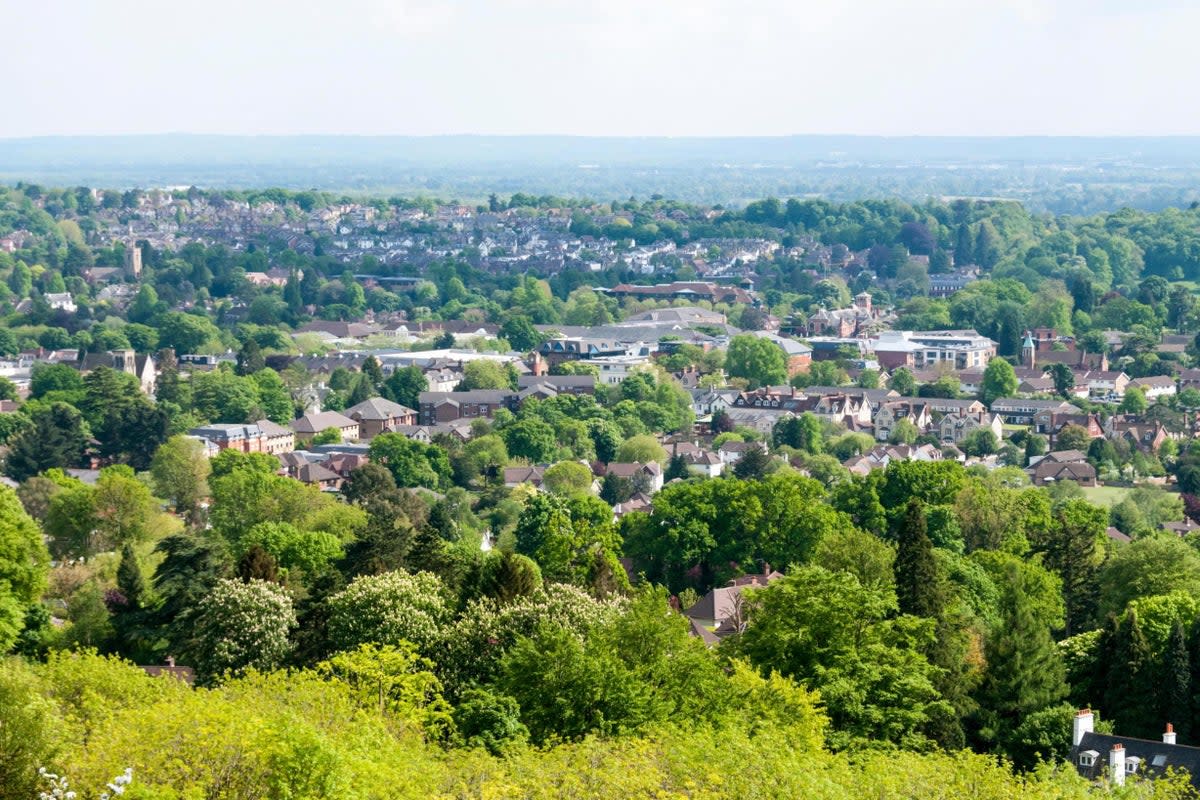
933, 633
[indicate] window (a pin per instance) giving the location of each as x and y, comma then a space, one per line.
1088, 758
1159, 760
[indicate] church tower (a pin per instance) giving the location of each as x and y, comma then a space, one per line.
1028, 351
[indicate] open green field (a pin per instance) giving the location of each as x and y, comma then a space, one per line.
1107, 496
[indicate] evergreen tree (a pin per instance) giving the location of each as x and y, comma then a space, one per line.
1194, 652
167, 388
753, 465
676, 468
258, 564
1130, 697
428, 552
292, 295
129, 578
250, 358
512, 576
1177, 683
1024, 670
1070, 549
441, 522
918, 585
964, 246
360, 391
373, 370
310, 286
987, 245
56, 438
404, 386
1093, 693
615, 489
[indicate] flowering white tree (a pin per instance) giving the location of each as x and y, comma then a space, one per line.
58, 787
240, 626
390, 608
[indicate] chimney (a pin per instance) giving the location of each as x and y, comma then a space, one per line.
1169, 734
1085, 722
1116, 764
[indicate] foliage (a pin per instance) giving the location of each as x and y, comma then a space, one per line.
389, 609
756, 359
832, 634
240, 626
180, 471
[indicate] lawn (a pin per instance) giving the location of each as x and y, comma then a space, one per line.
1107, 496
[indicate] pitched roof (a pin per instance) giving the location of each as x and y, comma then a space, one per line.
1155, 757
315, 423
315, 473
378, 409
272, 429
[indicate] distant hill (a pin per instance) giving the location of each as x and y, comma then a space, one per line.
1061, 174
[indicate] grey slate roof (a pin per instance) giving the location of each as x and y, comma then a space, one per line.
1156, 757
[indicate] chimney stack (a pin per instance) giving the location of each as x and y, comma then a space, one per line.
1169, 734
1116, 764
1084, 723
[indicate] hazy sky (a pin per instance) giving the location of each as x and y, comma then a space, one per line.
600, 67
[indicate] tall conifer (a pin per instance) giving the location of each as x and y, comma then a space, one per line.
919, 588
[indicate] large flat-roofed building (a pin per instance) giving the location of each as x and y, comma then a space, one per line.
960, 350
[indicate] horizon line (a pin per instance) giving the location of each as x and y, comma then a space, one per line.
680, 137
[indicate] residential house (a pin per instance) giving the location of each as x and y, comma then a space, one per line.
762, 421
515, 476
615, 369
1145, 435
698, 460
732, 452
889, 413
646, 478
444, 407
881, 455
721, 608
954, 428
318, 475
1155, 386
61, 301
442, 379
310, 425
1063, 466
1100, 756
1181, 528
951, 405
379, 415
560, 384
233, 436
639, 502
1050, 423
1105, 384
278, 438
1189, 379
709, 401
1021, 410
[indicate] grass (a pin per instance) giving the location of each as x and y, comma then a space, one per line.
1107, 496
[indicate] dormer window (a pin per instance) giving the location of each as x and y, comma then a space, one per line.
1088, 758
1131, 765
